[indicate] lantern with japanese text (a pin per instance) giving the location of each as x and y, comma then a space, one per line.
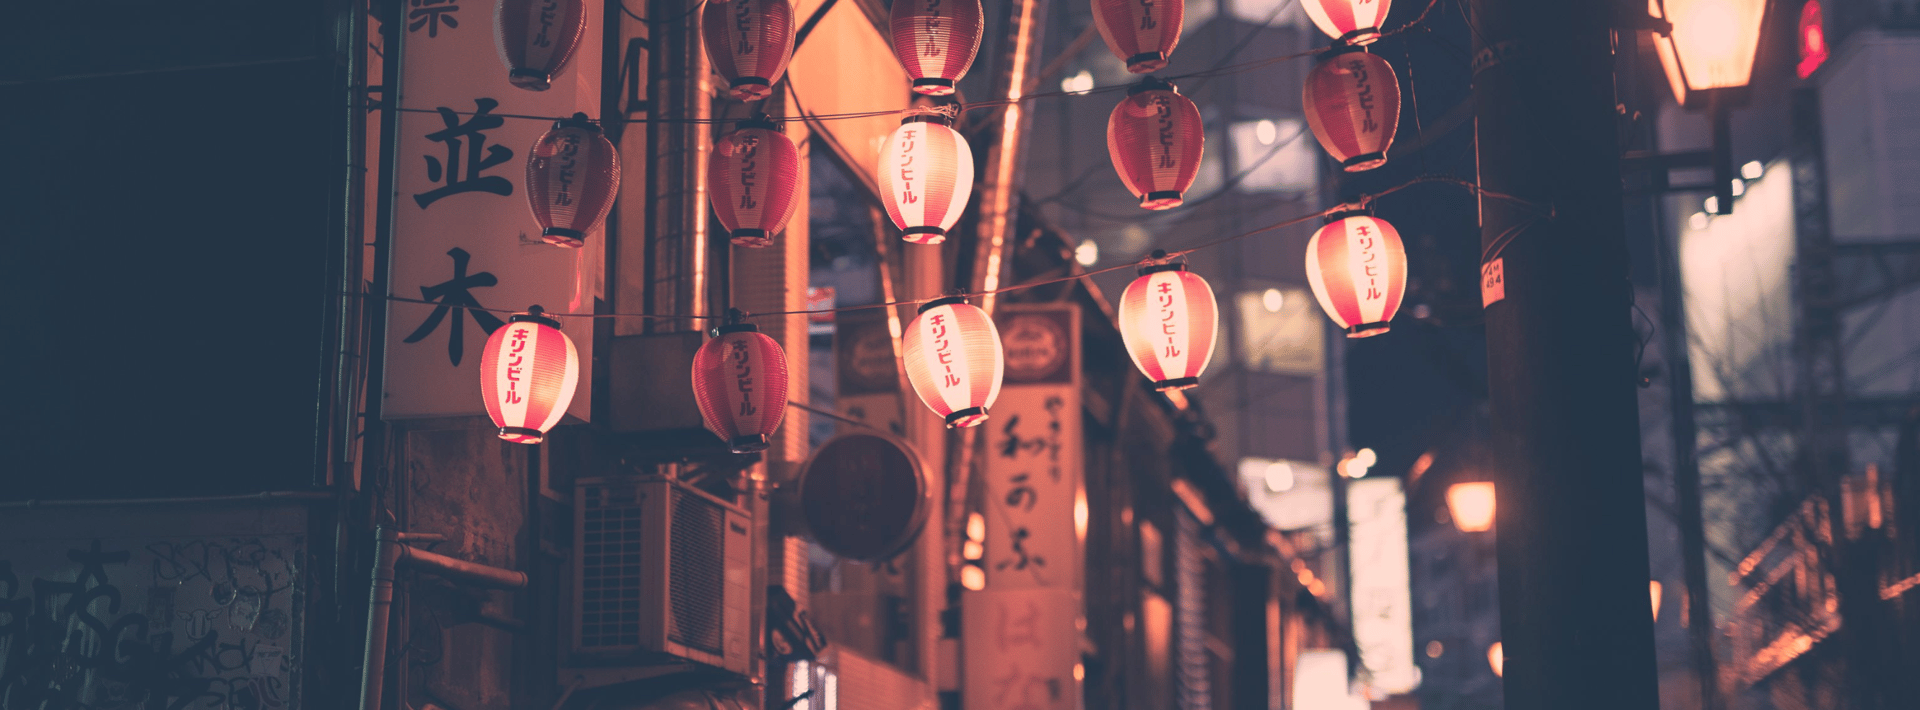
1168, 319
749, 43
952, 355
926, 177
1353, 106
573, 174
527, 376
752, 180
536, 38
1155, 140
936, 41
740, 382
1348, 21
1358, 270
1141, 33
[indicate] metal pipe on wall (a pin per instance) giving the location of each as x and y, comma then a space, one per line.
390, 549
679, 90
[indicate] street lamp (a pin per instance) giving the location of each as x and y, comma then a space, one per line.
1471, 505
1706, 48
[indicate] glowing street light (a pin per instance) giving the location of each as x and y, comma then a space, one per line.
1710, 46
1471, 505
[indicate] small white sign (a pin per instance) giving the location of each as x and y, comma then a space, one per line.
1493, 282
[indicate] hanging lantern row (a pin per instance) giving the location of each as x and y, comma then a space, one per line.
1156, 141
750, 43
1353, 107
740, 383
952, 355
1168, 319
537, 38
936, 41
573, 174
1357, 267
753, 181
1141, 33
926, 176
527, 376
1353, 22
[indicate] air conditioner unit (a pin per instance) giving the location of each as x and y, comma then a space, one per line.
662, 572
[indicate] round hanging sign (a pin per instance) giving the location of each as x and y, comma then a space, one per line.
864, 496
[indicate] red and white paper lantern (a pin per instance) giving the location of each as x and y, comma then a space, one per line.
1156, 141
952, 355
936, 41
926, 176
1168, 319
749, 43
536, 38
753, 177
1141, 33
1357, 267
527, 376
740, 382
1353, 106
1348, 21
573, 174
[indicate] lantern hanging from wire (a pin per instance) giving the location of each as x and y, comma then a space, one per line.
936, 41
1357, 267
926, 176
1156, 141
1353, 106
527, 376
537, 38
749, 43
740, 382
1169, 319
1141, 33
753, 177
952, 355
1348, 21
573, 174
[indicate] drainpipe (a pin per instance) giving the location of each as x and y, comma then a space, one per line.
390, 549
679, 86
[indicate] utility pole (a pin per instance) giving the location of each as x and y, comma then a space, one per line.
1560, 352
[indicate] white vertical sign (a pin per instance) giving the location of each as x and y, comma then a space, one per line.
462, 232
1382, 601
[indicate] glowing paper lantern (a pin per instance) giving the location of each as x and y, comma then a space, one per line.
1141, 33
1357, 267
527, 376
1353, 106
749, 43
573, 174
752, 178
1471, 505
536, 38
740, 382
1155, 140
936, 41
926, 176
952, 355
1348, 21
1712, 43
1168, 319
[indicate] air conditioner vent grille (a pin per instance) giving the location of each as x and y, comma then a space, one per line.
697, 590
610, 578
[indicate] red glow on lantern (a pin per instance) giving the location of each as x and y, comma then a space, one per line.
1353, 106
926, 177
1141, 33
749, 43
752, 179
536, 38
527, 376
936, 41
1168, 319
1156, 141
1357, 267
740, 382
1348, 21
573, 174
1813, 39
952, 355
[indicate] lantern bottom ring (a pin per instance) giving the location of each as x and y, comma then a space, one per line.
563, 237
1364, 35
1145, 62
971, 416
933, 86
529, 79
1364, 161
750, 88
1161, 200
1368, 330
751, 443
924, 235
522, 435
748, 237
1177, 383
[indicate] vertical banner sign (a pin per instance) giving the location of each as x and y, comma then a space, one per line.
463, 235
1020, 633
1382, 599
867, 375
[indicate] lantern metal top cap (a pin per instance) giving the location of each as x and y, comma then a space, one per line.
1151, 83
534, 314
943, 114
1158, 261
578, 120
942, 301
759, 120
1349, 210
736, 323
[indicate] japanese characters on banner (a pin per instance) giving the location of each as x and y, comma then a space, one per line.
463, 235
1382, 599
1020, 633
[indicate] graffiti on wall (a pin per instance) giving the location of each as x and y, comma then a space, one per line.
171, 624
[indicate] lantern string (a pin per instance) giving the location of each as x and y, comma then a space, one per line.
831, 415
1416, 22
